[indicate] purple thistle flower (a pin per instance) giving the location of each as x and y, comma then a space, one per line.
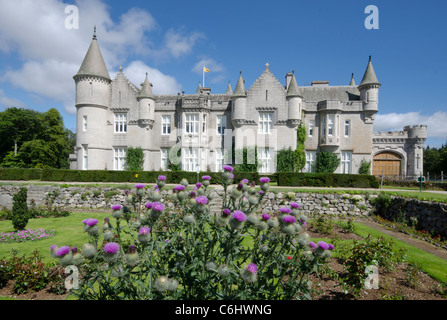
90, 222
62, 251
139, 186
53, 247
294, 205
265, 216
149, 205
285, 210
192, 194
228, 168
260, 192
180, 187
226, 212
116, 207
289, 219
199, 184
239, 215
202, 200
323, 245
244, 181
161, 178
264, 179
252, 268
144, 230
312, 244
158, 206
111, 247
206, 178
331, 246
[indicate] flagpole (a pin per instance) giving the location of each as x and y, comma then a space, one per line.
203, 72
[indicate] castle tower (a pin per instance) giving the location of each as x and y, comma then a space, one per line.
369, 89
93, 95
352, 83
417, 135
294, 102
239, 100
146, 102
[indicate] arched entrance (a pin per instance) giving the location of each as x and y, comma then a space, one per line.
388, 164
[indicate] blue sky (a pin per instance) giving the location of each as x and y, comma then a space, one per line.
171, 40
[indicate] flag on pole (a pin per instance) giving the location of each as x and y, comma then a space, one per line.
204, 70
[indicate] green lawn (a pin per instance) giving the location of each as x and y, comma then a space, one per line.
69, 231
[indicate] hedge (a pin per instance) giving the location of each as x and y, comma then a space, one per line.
20, 174
327, 180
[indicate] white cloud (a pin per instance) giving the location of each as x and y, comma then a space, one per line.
9, 102
179, 44
162, 84
217, 70
436, 122
51, 54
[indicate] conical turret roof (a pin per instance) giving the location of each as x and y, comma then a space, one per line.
146, 89
229, 90
93, 64
370, 76
293, 90
240, 91
352, 83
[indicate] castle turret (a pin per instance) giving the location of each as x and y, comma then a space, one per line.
239, 100
146, 102
294, 102
417, 135
352, 83
369, 89
93, 95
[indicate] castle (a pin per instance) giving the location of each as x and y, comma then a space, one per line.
199, 131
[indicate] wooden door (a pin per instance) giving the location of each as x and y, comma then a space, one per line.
387, 163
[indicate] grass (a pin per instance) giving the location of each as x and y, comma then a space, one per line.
69, 231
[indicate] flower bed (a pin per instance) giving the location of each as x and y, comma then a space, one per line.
176, 247
26, 235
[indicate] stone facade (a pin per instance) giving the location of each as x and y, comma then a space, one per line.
198, 131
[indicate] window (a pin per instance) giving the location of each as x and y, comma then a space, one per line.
323, 126
221, 158
84, 123
221, 124
310, 161
346, 160
119, 158
190, 159
265, 160
164, 159
265, 123
347, 128
204, 123
165, 125
120, 122
192, 123
311, 128
84, 157
330, 126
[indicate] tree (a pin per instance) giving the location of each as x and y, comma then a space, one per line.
300, 154
20, 214
36, 140
365, 167
134, 159
286, 160
326, 162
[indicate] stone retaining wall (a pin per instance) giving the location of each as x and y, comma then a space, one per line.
432, 216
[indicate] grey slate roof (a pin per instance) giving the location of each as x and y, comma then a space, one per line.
93, 64
341, 93
146, 89
370, 76
240, 91
293, 90
229, 90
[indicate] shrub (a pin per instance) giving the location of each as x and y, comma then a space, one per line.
31, 274
20, 215
365, 167
326, 162
179, 247
134, 159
